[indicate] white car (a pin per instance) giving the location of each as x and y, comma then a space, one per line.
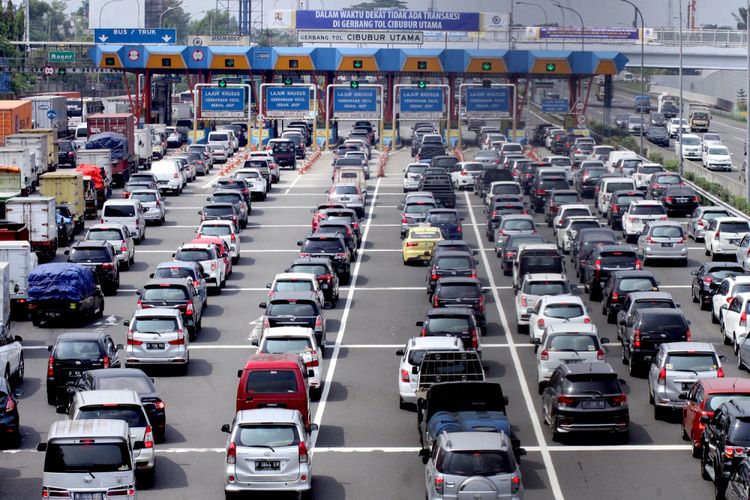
690, 147
296, 283
208, 256
152, 203
412, 176
297, 340
567, 343
724, 234
570, 210
550, 135
638, 213
566, 234
609, 185
552, 309
119, 237
502, 187
255, 180
643, 173
563, 162
271, 161
734, 320
11, 355
717, 157
743, 253
711, 139
411, 358
534, 286
465, 174
225, 230
219, 151
728, 288
673, 127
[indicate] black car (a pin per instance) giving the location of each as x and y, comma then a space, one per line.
586, 178
237, 199
537, 137
296, 309
461, 292
708, 277
451, 246
100, 257
341, 228
658, 120
72, 355
585, 397
347, 215
618, 203
620, 284
174, 293
527, 174
508, 249
486, 177
725, 438
240, 185
129, 378
447, 162
587, 236
459, 322
330, 246
450, 264
496, 211
657, 135
10, 427
542, 186
66, 153
645, 330
284, 153
323, 270
603, 261
738, 485
219, 211
555, 200
680, 200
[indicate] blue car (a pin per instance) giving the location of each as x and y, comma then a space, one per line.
448, 221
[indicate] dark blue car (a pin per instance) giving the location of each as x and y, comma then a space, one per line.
448, 221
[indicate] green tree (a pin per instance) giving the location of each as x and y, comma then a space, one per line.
741, 17
275, 38
176, 18
741, 100
48, 21
214, 22
380, 4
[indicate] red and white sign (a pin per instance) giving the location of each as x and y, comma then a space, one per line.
197, 55
133, 55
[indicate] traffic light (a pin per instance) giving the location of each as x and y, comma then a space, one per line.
486, 66
421, 64
550, 67
357, 64
61, 71
354, 84
222, 83
421, 84
288, 80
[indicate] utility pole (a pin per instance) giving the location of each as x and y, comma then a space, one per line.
679, 126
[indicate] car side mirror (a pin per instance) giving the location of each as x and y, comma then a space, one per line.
174, 254
424, 454
420, 323
705, 419
604, 340
694, 272
722, 358
521, 452
49, 348
139, 292
314, 427
263, 305
268, 285
200, 212
41, 447
529, 310
126, 322
300, 243
239, 373
399, 352
255, 342
683, 396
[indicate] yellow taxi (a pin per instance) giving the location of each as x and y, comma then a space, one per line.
419, 242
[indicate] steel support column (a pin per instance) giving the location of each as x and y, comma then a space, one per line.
147, 97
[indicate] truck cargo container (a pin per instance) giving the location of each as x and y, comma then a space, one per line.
124, 160
38, 213
67, 189
22, 260
36, 144
23, 160
5, 290
102, 158
14, 116
50, 111
143, 147
52, 147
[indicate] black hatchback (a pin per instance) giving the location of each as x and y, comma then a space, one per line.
620, 284
450, 264
331, 246
100, 257
461, 292
459, 322
708, 277
602, 262
66, 153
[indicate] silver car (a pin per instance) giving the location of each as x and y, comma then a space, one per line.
119, 237
700, 219
412, 176
152, 203
566, 343
674, 370
268, 450
663, 240
472, 465
157, 336
348, 195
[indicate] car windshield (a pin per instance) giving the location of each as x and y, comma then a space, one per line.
474, 463
718, 150
518, 225
247, 175
576, 212
541, 264
173, 272
735, 227
458, 291
215, 230
719, 275
167, 292
448, 325
140, 385
265, 435
443, 218
560, 162
619, 186
563, 311
89, 255
104, 234
272, 382
291, 309
119, 211
323, 246
457, 262
144, 197
712, 214
155, 325
586, 383
218, 137
578, 342
576, 225
226, 197
636, 285
281, 345
194, 254
293, 286
692, 362
78, 349
87, 456
647, 210
618, 258
133, 415
690, 141
715, 400
648, 169
626, 199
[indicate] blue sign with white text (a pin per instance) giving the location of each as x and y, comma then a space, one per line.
287, 101
425, 102
218, 102
488, 101
395, 20
348, 102
162, 36
555, 106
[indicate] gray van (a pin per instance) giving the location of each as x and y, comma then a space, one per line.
89, 458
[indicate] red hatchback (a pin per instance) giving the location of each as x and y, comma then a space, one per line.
704, 398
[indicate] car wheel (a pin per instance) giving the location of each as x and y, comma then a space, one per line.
624, 358
658, 412
692, 296
540, 387
713, 319
402, 404
704, 463
740, 364
632, 367
18, 376
735, 345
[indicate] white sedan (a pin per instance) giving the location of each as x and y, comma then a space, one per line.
552, 309
225, 230
11, 355
734, 320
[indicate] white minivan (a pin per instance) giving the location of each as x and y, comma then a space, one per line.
128, 212
223, 137
169, 176
608, 186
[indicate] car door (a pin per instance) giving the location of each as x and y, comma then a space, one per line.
719, 298
731, 316
550, 395
10, 351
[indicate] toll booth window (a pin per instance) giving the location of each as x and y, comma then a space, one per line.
293, 63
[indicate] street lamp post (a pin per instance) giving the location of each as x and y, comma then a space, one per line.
546, 19
558, 4
747, 101
638, 12
102, 9
161, 16
679, 126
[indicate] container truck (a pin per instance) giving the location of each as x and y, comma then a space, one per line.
67, 188
23, 160
22, 260
143, 147
124, 125
5, 291
36, 144
52, 148
14, 116
50, 111
38, 213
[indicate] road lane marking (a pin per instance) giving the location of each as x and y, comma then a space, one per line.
299, 176
318, 417
530, 408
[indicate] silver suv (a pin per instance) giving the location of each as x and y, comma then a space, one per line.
268, 450
472, 465
674, 370
663, 240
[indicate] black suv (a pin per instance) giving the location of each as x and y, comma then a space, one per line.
331, 246
486, 177
585, 397
66, 153
618, 203
441, 186
240, 185
284, 153
604, 260
708, 277
296, 309
724, 442
527, 174
739, 482
585, 180
620, 284
219, 211
461, 292
542, 186
584, 242
73, 354
557, 199
323, 270
645, 330
174, 293
450, 264
100, 257
458, 322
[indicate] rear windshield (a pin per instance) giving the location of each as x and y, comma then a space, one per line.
448, 325
619, 186
283, 147
668, 179
711, 215
218, 211
456, 291
475, 463
637, 285
291, 309
443, 218
541, 264
735, 227
248, 175
646, 169
506, 189
573, 343
309, 268
323, 246
154, 325
286, 344
664, 323
553, 183
416, 169
104, 234
567, 198
454, 262
165, 293
133, 415
345, 189
720, 274
653, 303
424, 235
144, 197
618, 258
563, 311
78, 349
293, 286
263, 435
695, 362
194, 255
173, 272
138, 384
741, 431
87, 456
218, 137
577, 212
119, 211
473, 167
516, 241
648, 210
626, 199
418, 208
560, 162
592, 383
667, 232
226, 197
272, 382
216, 230
89, 254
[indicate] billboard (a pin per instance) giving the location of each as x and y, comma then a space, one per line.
488, 102
118, 14
559, 33
287, 101
356, 103
222, 102
421, 103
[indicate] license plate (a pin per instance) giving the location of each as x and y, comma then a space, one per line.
734, 242
163, 182
592, 405
324, 287
88, 496
686, 386
667, 245
154, 345
267, 465
571, 361
682, 200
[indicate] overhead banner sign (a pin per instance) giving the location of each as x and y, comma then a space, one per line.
135, 36
222, 40
555, 106
287, 102
488, 102
386, 20
559, 33
421, 103
356, 103
226, 102
359, 37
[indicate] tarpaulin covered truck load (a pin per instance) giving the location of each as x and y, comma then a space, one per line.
94, 173
59, 291
125, 161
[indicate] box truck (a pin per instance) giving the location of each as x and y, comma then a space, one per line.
50, 111
23, 160
22, 260
14, 116
66, 187
38, 213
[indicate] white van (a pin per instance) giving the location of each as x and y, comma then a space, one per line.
169, 176
224, 138
127, 212
610, 185
615, 156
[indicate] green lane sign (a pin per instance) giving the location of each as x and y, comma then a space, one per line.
61, 56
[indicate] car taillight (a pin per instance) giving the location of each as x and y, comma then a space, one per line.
105, 362
663, 217
718, 233
544, 355
404, 376
158, 203
515, 484
130, 340
540, 322
638, 264
463, 172
662, 377
734, 451
435, 301
433, 274
615, 296
688, 335
160, 405
412, 244
696, 199
232, 453
720, 372
669, 199
637, 339
481, 304
620, 400
148, 438
314, 360
51, 367
340, 255
123, 248
180, 340
600, 355
304, 254
598, 265
565, 400
189, 310
438, 482
175, 175
587, 320
125, 194
108, 265
213, 266
729, 300
318, 322
540, 191
474, 338
743, 319
700, 223
302, 452
615, 209
524, 301
707, 280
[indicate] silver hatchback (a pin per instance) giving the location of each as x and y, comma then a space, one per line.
566, 343
157, 336
674, 370
663, 240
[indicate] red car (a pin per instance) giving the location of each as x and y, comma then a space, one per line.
320, 213
703, 398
